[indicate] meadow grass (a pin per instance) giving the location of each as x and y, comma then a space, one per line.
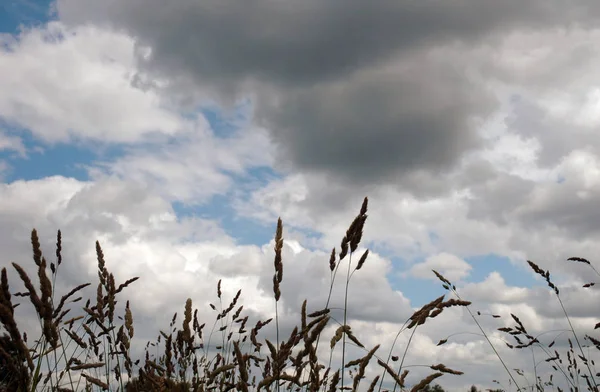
92, 350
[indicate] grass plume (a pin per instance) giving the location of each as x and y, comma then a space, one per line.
92, 350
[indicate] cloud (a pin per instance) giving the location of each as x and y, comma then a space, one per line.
470, 126
451, 267
192, 169
174, 258
400, 97
77, 84
302, 43
363, 107
494, 289
178, 258
12, 143
440, 108
381, 123
81, 86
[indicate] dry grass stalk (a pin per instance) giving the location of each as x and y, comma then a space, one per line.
95, 381
442, 368
543, 274
392, 373
363, 362
278, 277
424, 382
188, 361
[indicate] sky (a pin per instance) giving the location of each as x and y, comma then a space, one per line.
176, 133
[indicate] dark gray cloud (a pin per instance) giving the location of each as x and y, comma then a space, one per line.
360, 90
381, 122
296, 43
531, 120
498, 196
576, 216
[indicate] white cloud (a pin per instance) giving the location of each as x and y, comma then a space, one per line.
180, 258
451, 267
192, 169
68, 84
175, 258
12, 143
494, 289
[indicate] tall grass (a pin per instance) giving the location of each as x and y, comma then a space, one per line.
91, 350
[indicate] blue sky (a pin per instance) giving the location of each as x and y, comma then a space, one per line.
24, 13
92, 140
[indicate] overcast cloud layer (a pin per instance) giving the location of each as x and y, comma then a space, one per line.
365, 92
471, 125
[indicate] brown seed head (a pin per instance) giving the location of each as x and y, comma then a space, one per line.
58, 248
35, 244
127, 283
111, 297
278, 248
363, 208
344, 248
426, 381
579, 259
5, 291
276, 290
187, 319
33, 297
442, 368
101, 263
332, 260
362, 260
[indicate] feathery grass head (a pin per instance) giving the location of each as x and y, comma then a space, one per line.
278, 277
355, 231
332, 260
35, 244
362, 260
543, 274
237, 359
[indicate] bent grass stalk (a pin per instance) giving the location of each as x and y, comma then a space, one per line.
450, 287
100, 357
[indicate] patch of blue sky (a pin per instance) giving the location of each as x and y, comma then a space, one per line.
253, 179
513, 275
220, 208
421, 291
245, 231
433, 238
225, 123
311, 239
44, 160
15, 14
73, 160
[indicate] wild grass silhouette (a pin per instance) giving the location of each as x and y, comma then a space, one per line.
92, 350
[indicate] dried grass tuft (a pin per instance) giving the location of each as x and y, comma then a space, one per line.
235, 357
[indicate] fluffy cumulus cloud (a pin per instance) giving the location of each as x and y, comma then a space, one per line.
471, 126
450, 266
78, 83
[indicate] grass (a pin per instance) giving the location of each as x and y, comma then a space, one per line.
91, 350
